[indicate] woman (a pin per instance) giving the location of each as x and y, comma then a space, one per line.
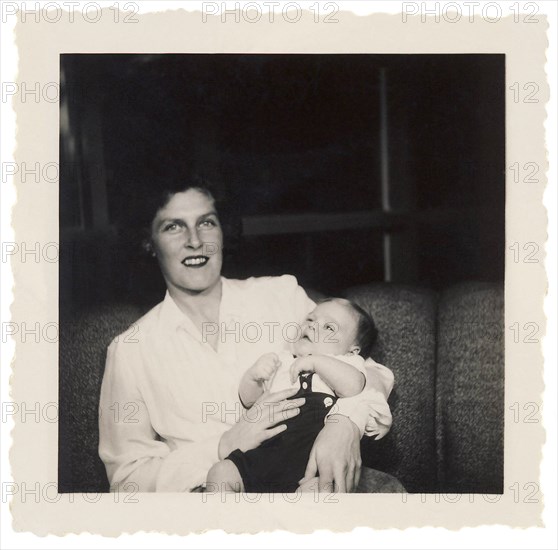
178, 382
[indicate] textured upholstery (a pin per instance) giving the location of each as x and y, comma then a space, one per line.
470, 389
446, 353
83, 351
375, 481
406, 322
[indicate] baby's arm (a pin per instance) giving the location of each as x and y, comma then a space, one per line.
344, 379
253, 382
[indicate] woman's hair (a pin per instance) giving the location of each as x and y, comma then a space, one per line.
145, 204
367, 333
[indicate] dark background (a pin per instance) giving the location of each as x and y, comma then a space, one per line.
300, 145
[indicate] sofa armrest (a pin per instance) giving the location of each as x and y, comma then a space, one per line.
470, 389
406, 321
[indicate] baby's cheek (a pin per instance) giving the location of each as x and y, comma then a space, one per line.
331, 347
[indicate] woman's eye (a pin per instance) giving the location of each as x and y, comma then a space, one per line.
171, 227
208, 223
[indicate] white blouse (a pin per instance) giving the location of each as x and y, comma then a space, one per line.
167, 396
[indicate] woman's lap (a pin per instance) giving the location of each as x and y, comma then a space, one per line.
371, 481
374, 481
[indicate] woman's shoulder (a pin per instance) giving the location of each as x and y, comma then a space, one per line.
275, 283
141, 326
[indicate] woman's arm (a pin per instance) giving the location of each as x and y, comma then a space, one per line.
335, 456
128, 444
344, 379
134, 457
335, 460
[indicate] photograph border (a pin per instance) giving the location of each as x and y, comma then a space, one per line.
35, 370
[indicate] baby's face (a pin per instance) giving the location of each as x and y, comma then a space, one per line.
330, 329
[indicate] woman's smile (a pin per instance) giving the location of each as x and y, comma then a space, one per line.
195, 261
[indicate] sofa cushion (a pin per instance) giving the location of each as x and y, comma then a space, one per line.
82, 353
470, 389
406, 321
374, 481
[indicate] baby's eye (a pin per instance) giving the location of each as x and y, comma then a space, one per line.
329, 327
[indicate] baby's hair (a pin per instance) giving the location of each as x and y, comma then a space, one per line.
367, 333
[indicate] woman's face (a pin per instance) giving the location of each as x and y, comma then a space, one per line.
187, 239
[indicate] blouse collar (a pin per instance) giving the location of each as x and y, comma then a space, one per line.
172, 317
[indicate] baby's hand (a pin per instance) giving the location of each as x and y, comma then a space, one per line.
265, 367
301, 364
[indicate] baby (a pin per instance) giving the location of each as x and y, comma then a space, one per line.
328, 363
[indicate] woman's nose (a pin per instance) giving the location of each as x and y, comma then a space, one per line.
193, 239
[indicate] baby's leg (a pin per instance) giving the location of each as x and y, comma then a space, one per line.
224, 477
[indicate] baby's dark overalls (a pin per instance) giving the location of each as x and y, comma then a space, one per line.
277, 465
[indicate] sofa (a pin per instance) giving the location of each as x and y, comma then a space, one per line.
446, 350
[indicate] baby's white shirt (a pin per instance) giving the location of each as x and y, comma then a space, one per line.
282, 379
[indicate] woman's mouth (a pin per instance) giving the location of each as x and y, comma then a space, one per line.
195, 261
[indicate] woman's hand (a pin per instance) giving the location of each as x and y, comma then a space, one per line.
260, 422
335, 457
